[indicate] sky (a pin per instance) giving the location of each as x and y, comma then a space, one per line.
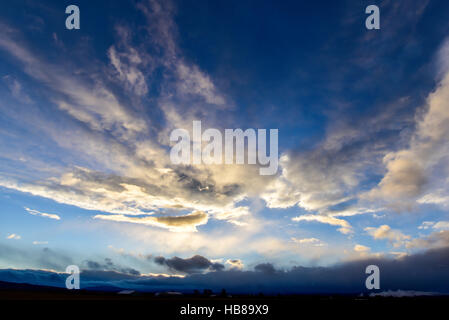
86, 115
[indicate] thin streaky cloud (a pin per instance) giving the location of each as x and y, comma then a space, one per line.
42, 214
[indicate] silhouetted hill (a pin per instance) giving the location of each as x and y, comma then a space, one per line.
12, 286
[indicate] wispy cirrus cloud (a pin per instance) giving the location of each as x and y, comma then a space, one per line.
37, 243
345, 227
309, 242
184, 223
109, 133
43, 214
16, 89
440, 225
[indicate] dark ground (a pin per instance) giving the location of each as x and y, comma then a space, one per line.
21, 299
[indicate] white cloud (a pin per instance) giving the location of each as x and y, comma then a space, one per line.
111, 137
351, 211
184, 223
40, 242
419, 172
310, 180
441, 225
193, 81
437, 239
130, 179
426, 225
399, 254
345, 227
13, 236
16, 89
396, 237
439, 197
42, 214
309, 241
235, 263
361, 248
128, 63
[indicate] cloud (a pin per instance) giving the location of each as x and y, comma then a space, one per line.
87, 100
415, 173
362, 249
126, 170
309, 241
437, 239
405, 177
222, 241
42, 214
128, 63
34, 257
111, 146
345, 227
108, 133
131, 196
438, 197
311, 180
126, 72
440, 225
16, 89
108, 265
354, 149
191, 265
187, 222
235, 263
396, 237
14, 236
402, 293
331, 172
193, 81
40, 242
426, 225
265, 268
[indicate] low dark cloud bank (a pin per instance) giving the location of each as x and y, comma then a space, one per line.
191, 265
108, 265
265, 267
426, 272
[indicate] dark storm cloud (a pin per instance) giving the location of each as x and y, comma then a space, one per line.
194, 264
206, 187
427, 271
265, 268
108, 265
194, 218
